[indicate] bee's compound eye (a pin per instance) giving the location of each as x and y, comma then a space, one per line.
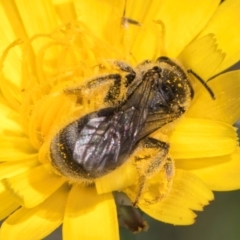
167, 89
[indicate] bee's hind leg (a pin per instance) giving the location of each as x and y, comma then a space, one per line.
158, 165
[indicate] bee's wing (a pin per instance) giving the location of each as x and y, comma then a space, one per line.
156, 121
106, 139
97, 144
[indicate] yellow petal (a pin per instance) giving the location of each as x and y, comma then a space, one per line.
42, 15
224, 176
202, 56
146, 42
224, 25
117, 179
189, 15
15, 148
90, 216
12, 68
225, 107
65, 10
34, 186
10, 169
39, 221
188, 193
10, 74
7, 203
10, 119
198, 138
167, 32
102, 17
7, 33
38, 17
197, 163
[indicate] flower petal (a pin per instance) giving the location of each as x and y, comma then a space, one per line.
117, 179
199, 163
202, 56
226, 105
65, 10
10, 118
21, 146
43, 22
89, 215
11, 21
34, 186
188, 193
157, 24
12, 68
224, 176
224, 25
141, 49
102, 17
7, 203
199, 138
10, 169
188, 15
10, 74
39, 221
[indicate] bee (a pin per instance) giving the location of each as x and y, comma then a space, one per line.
96, 144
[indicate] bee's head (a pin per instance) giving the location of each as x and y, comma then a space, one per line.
171, 89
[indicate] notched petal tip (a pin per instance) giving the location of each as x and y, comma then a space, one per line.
224, 25
29, 188
188, 194
202, 56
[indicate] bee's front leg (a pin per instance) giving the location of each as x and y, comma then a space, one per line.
157, 164
110, 96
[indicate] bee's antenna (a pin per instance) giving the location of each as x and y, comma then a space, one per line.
202, 82
125, 20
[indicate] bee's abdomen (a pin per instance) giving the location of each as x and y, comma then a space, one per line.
94, 145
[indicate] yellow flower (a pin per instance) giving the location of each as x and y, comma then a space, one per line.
68, 42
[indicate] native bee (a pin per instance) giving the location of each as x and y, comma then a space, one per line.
157, 93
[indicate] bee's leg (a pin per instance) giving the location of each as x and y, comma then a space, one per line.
126, 68
119, 83
114, 91
165, 179
112, 94
152, 164
93, 83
